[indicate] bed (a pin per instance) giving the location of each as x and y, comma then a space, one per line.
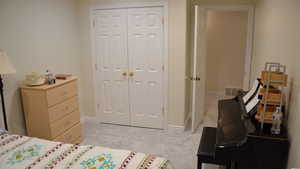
21, 152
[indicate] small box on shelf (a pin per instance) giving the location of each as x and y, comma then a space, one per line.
276, 78
273, 97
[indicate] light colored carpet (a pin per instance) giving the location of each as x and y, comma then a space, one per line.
178, 146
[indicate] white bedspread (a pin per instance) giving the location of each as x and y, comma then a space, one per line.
20, 152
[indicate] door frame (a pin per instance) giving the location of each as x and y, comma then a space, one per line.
250, 34
250, 37
165, 80
197, 40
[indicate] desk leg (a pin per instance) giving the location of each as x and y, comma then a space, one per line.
228, 165
199, 164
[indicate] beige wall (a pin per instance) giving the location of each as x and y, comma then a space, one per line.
177, 55
277, 39
226, 48
37, 35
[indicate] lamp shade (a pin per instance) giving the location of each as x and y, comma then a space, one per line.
5, 65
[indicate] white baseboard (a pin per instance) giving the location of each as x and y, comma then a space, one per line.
171, 128
175, 128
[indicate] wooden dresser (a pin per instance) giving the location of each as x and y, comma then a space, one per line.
52, 111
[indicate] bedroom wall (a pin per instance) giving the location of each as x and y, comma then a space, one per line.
277, 39
226, 45
177, 56
37, 35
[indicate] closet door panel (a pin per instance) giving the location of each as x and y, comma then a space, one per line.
112, 60
145, 49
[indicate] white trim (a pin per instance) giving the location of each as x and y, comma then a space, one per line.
94, 63
226, 7
121, 5
194, 63
166, 64
250, 33
175, 129
162, 4
249, 48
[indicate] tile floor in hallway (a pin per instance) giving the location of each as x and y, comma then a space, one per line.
178, 146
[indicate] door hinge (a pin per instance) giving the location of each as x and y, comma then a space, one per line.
163, 68
163, 110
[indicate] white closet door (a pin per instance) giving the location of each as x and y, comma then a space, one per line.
111, 51
145, 49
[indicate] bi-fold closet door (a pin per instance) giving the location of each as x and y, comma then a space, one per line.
129, 49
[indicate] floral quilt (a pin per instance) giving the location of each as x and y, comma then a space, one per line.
21, 152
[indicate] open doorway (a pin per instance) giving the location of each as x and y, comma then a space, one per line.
226, 40
221, 60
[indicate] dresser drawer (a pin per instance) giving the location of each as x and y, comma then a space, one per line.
73, 135
60, 138
62, 109
60, 126
61, 93
77, 141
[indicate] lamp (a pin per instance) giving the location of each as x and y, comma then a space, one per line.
5, 68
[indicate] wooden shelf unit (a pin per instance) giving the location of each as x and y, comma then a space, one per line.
274, 79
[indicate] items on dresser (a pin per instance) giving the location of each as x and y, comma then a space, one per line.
34, 79
52, 111
62, 76
50, 79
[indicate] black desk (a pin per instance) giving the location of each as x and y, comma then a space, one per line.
237, 143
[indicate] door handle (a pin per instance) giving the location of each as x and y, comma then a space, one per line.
131, 74
195, 78
124, 73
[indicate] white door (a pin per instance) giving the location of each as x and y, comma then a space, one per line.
145, 49
112, 59
199, 68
